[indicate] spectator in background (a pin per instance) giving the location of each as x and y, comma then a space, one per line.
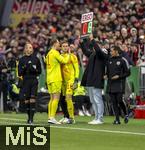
125, 53
111, 19
134, 37
134, 53
124, 34
141, 45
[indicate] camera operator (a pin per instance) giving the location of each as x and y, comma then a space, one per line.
3, 82
11, 60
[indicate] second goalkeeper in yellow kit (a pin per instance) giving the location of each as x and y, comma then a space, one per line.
54, 78
70, 74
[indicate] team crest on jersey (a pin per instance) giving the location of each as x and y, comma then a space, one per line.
118, 63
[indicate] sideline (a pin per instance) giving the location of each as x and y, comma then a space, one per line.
99, 130
72, 128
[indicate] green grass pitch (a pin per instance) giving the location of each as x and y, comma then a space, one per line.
81, 136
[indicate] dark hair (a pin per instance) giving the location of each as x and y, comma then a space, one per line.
53, 41
116, 48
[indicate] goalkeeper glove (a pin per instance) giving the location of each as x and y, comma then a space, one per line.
75, 85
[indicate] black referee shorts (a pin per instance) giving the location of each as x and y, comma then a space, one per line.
29, 89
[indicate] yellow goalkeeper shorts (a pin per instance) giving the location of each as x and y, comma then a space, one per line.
54, 87
67, 88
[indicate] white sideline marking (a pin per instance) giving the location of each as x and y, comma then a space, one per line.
72, 128
13, 119
96, 130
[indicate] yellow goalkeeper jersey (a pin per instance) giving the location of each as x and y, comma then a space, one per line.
53, 65
70, 71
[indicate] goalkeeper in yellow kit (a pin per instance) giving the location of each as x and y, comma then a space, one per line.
70, 74
54, 78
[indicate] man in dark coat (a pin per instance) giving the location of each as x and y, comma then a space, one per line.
93, 76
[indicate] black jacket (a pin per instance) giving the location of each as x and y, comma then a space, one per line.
117, 66
95, 69
29, 67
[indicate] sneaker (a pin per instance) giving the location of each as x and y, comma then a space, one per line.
116, 122
53, 121
63, 120
96, 122
87, 113
30, 122
81, 113
126, 119
71, 121
91, 121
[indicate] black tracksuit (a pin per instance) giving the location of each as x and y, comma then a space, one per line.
29, 68
116, 88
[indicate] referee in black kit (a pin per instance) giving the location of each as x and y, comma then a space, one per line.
29, 68
117, 71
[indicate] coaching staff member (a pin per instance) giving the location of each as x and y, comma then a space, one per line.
117, 71
29, 68
93, 76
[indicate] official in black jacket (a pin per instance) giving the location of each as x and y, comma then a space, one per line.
117, 71
29, 68
93, 76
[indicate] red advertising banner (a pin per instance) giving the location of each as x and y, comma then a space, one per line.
35, 6
26, 8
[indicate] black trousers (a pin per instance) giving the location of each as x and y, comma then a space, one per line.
63, 105
117, 101
28, 90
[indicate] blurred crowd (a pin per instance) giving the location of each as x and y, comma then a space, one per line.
116, 22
